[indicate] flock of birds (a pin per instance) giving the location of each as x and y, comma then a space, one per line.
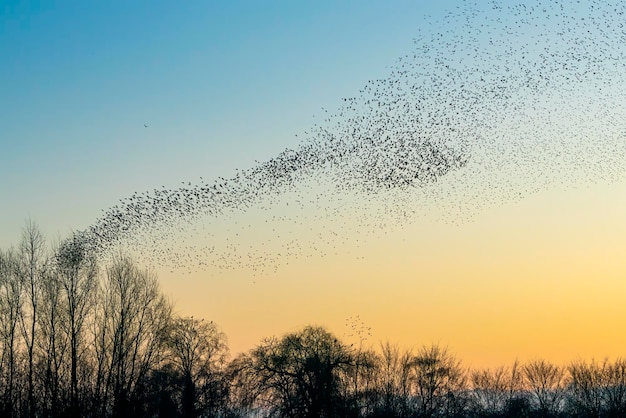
495, 102
357, 329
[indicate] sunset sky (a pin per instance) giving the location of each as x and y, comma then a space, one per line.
223, 85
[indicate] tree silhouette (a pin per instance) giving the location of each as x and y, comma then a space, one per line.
32, 264
614, 391
587, 381
300, 373
10, 307
52, 342
131, 334
393, 387
498, 392
198, 351
77, 273
546, 384
438, 380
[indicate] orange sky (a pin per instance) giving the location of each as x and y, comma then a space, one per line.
540, 277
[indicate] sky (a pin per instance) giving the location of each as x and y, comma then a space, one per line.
224, 85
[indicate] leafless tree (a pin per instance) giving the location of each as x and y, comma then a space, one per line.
53, 342
614, 389
546, 383
130, 333
246, 395
32, 264
490, 389
438, 381
498, 391
77, 273
361, 380
586, 384
10, 308
198, 350
393, 384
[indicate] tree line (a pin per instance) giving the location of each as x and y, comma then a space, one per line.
82, 337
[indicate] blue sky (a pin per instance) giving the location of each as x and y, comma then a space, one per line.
220, 84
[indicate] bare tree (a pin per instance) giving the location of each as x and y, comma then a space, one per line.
587, 381
77, 274
438, 381
53, 342
499, 391
10, 308
393, 381
359, 392
131, 333
614, 389
246, 394
32, 262
199, 350
490, 389
546, 383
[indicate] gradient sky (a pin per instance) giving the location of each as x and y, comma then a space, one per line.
224, 84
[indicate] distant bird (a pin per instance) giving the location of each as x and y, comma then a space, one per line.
145, 126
